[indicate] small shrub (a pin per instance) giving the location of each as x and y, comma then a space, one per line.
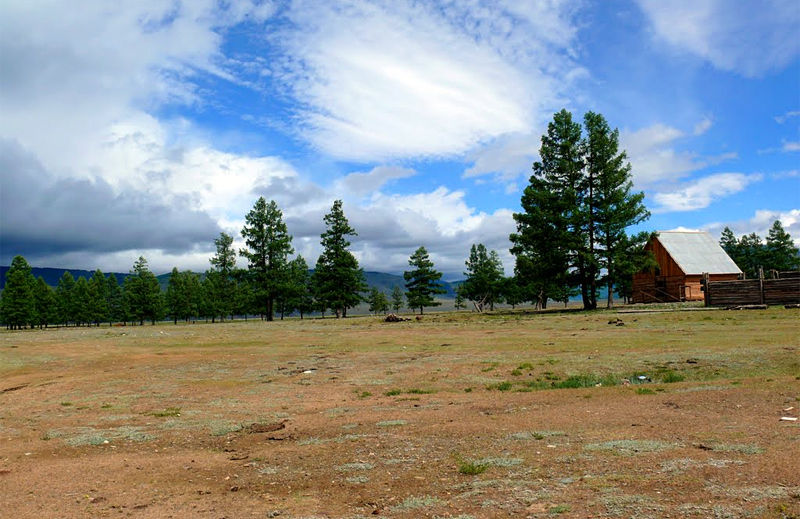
417, 391
490, 367
393, 392
66, 404
671, 377
560, 509
365, 394
516, 373
467, 390
525, 365
645, 391
471, 467
500, 386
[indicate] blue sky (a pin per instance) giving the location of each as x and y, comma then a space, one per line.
149, 127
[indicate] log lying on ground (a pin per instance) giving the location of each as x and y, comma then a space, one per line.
747, 307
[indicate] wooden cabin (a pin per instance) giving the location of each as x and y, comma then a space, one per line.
683, 257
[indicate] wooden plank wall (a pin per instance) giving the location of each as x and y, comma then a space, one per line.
782, 291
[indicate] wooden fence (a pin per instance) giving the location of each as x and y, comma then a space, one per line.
783, 289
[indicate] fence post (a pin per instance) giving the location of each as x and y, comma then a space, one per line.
761, 284
706, 290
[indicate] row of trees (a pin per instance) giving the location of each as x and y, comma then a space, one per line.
750, 252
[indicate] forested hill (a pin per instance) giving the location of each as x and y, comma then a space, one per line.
384, 282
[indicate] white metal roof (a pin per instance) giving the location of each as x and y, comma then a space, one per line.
697, 252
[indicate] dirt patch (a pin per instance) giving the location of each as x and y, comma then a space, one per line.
519, 416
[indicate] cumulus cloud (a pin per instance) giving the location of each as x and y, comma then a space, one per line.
752, 39
365, 183
781, 119
42, 217
761, 222
701, 193
655, 159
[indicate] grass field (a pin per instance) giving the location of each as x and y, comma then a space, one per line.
674, 412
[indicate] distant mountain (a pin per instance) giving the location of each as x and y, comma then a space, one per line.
51, 276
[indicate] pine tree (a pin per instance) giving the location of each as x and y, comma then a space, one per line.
422, 283
751, 255
780, 254
575, 211
484, 277
18, 306
114, 301
65, 297
397, 298
142, 293
377, 300
548, 240
97, 298
175, 299
268, 247
298, 288
223, 265
82, 302
613, 207
338, 280
45, 301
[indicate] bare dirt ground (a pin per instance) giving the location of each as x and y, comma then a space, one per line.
671, 414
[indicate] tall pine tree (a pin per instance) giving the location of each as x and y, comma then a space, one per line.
268, 246
18, 306
338, 281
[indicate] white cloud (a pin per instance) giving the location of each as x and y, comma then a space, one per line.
654, 159
761, 222
790, 146
507, 157
366, 183
703, 126
780, 119
703, 192
379, 80
748, 37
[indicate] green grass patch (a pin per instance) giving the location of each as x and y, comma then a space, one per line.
500, 386
168, 412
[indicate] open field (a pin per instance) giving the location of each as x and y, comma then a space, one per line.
671, 414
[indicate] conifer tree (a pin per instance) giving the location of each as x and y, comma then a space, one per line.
65, 297
397, 298
484, 277
422, 283
17, 306
45, 301
781, 253
338, 280
268, 246
114, 301
142, 293
97, 298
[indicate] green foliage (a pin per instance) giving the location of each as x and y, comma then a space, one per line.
378, 302
268, 246
223, 268
575, 212
17, 306
45, 303
484, 278
397, 298
338, 281
297, 290
422, 283
471, 467
750, 253
142, 294
501, 386
65, 298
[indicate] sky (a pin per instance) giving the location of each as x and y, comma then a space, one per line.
147, 128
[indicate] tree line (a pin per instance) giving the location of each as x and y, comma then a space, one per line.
751, 253
271, 285
571, 239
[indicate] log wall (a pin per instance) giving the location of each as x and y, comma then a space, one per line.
782, 291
